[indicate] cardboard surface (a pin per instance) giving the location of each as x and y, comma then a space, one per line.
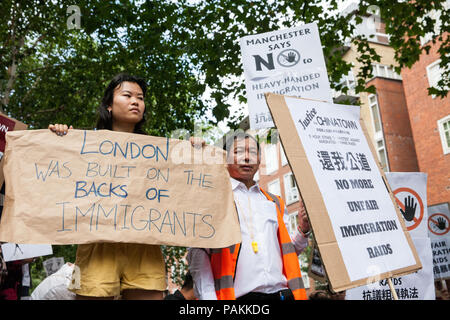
318, 214
106, 186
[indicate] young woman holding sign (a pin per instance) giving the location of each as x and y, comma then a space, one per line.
107, 270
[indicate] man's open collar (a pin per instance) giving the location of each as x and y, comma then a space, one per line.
236, 183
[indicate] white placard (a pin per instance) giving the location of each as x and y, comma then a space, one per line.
410, 192
288, 62
365, 223
441, 258
52, 265
415, 286
439, 221
439, 232
13, 251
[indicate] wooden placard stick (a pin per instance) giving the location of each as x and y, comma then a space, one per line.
391, 286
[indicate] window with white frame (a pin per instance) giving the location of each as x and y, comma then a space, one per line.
381, 150
381, 34
284, 160
274, 187
444, 132
293, 222
348, 80
375, 113
271, 156
434, 74
378, 131
290, 188
381, 70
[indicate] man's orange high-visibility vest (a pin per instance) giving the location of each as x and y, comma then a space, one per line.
224, 261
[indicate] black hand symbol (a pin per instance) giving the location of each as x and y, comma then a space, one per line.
410, 209
441, 223
291, 57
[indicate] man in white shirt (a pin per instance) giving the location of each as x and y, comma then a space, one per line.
265, 265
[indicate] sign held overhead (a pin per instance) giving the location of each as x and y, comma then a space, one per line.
287, 61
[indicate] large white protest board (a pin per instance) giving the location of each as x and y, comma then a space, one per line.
415, 286
439, 227
14, 251
359, 231
409, 189
410, 192
287, 61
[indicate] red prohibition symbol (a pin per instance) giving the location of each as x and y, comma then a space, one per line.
438, 224
416, 220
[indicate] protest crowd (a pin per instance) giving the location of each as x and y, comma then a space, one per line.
120, 195
263, 266
135, 271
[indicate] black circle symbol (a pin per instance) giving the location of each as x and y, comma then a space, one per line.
288, 58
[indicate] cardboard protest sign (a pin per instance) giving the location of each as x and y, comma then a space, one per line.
7, 124
410, 193
359, 231
106, 186
438, 227
14, 251
287, 61
414, 286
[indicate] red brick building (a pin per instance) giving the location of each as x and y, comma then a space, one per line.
384, 113
430, 123
395, 126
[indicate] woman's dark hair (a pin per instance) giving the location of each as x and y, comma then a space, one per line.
104, 120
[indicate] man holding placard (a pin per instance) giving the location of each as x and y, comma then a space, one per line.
359, 232
265, 265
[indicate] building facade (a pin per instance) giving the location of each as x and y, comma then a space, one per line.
430, 122
384, 112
